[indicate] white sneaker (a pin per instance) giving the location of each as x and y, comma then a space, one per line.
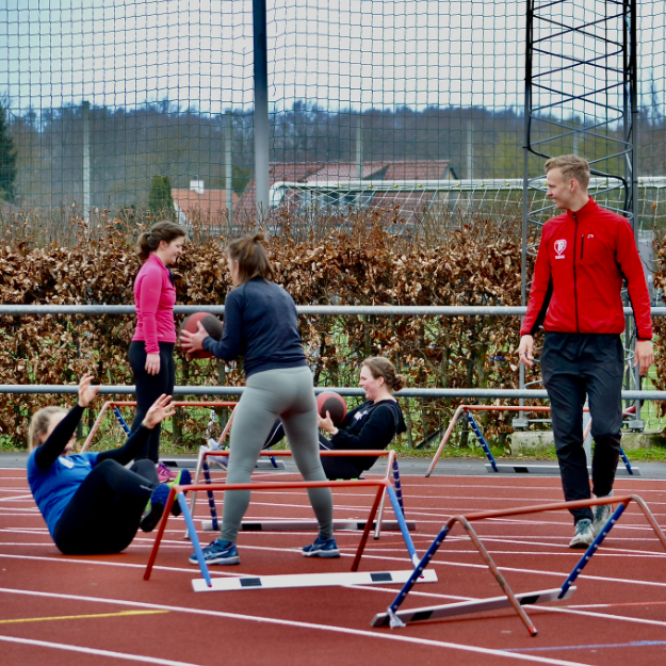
584, 535
601, 515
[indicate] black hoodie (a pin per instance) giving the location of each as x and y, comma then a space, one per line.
369, 426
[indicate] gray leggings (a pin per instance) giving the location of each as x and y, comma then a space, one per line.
289, 394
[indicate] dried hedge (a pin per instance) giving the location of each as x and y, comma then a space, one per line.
366, 261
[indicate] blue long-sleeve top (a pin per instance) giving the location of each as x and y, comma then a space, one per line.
261, 325
54, 478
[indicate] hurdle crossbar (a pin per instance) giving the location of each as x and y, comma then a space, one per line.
271, 525
492, 464
114, 404
310, 580
466, 521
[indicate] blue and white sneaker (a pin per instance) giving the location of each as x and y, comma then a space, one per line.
322, 548
155, 507
218, 552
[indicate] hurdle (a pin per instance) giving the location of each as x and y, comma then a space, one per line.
395, 618
383, 484
350, 525
492, 465
213, 524
113, 405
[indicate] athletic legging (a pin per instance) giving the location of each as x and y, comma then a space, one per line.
104, 514
149, 388
289, 394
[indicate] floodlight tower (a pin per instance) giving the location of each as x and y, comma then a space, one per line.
580, 97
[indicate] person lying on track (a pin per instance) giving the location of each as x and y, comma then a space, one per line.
91, 503
371, 425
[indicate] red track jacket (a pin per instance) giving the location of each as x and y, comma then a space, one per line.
583, 258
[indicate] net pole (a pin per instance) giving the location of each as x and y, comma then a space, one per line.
260, 108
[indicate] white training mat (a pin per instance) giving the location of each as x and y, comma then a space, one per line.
311, 580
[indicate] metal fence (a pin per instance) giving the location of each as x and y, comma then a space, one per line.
351, 310
145, 104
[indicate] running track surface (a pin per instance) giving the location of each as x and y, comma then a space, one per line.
83, 610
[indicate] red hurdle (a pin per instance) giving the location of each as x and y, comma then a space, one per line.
111, 404
382, 484
395, 618
461, 409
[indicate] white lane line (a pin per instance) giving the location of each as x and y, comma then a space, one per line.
604, 616
96, 652
302, 625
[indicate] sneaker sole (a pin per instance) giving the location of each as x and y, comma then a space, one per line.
579, 544
219, 562
150, 522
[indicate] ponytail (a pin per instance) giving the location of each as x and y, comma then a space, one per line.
251, 256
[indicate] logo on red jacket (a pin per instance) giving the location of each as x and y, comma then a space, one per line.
560, 246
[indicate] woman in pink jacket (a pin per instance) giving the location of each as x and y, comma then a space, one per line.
151, 350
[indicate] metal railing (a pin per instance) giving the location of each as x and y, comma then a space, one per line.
375, 310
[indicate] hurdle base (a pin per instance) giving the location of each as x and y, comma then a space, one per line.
310, 580
308, 525
548, 470
465, 607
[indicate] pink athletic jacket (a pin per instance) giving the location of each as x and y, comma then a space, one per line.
155, 296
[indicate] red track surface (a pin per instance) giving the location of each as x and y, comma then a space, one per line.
617, 617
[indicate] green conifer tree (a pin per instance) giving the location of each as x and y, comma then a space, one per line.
159, 198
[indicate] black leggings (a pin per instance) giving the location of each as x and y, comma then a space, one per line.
104, 514
335, 467
149, 388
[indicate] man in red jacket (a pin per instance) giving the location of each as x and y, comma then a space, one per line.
585, 255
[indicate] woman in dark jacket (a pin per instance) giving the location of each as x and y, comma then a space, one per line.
261, 325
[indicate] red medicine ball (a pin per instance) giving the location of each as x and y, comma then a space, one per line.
214, 327
334, 404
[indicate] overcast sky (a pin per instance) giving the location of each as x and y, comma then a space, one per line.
335, 53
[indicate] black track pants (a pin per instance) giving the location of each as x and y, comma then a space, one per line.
104, 514
575, 366
149, 388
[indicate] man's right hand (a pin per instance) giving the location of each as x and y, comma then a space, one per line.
526, 350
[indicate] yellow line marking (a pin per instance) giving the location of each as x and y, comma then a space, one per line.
85, 617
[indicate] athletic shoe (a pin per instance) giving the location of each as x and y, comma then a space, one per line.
220, 461
322, 548
584, 535
183, 478
601, 515
218, 552
164, 473
155, 508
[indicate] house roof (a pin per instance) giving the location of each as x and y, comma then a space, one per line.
379, 170
210, 202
